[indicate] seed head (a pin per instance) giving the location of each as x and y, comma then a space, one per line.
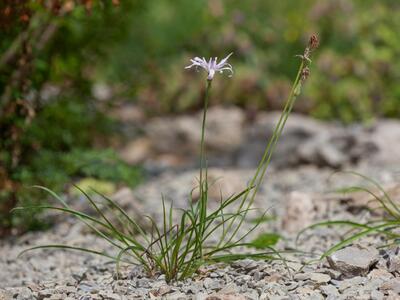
313, 42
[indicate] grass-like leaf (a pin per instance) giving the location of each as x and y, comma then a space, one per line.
383, 226
265, 240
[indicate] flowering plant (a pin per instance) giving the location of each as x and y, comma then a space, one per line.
179, 249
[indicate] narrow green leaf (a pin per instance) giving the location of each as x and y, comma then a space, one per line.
265, 240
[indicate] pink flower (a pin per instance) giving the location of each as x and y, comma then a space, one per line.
212, 66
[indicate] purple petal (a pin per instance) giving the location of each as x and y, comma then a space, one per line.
223, 61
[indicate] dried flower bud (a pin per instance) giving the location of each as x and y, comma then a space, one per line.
305, 73
313, 42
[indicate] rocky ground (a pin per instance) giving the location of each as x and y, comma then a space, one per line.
297, 191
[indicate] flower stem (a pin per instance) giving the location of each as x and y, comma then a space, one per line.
203, 184
203, 129
258, 177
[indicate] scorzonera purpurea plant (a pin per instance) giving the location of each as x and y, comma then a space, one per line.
178, 249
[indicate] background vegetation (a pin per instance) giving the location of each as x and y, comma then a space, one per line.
64, 63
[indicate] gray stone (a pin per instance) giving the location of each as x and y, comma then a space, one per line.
320, 150
230, 288
377, 295
351, 293
333, 273
79, 276
381, 274
256, 275
176, 296
214, 275
242, 280
292, 286
386, 137
142, 283
374, 284
301, 276
391, 285
393, 260
301, 209
349, 283
57, 297
65, 289
23, 294
329, 291
109, 295
192, 289
245, 264
88, 287
320, 277
274, 297
211, 284
138, 272
200, 296
354, 260
5, 295
46, 293
161, 291
224, 131
220, 296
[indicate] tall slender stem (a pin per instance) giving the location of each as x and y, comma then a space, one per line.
203, 185
203, 129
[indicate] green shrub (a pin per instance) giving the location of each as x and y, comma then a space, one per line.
50, 45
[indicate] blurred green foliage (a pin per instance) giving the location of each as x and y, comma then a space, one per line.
52, 130
354, 76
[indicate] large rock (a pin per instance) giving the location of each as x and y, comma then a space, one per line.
385, 135
182, 134
126, 199
354, 260
301, 210
222, 184
297, 130
232, 140
224, 128
136, 151
307, 141
175, 141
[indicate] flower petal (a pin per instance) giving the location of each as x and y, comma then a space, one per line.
223, 61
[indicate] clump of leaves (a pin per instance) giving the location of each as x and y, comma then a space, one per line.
387, 226
178, 249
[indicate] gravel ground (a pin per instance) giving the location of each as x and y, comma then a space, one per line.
57, 274
297, 195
